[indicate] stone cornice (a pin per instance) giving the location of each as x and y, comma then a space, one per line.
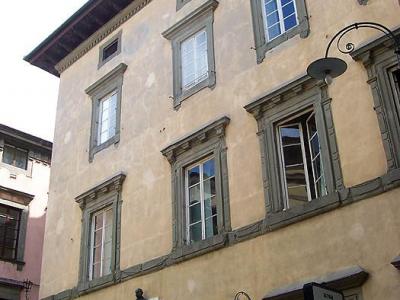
117, 71
111, 184
373, 45
281, 93
101, 34
213, 129
192, 17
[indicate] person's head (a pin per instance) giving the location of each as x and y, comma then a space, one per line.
139, 293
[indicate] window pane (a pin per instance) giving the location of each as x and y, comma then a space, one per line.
274, 31
211, 227
288, 9
290, 22
284, 2
272, 18
96, 270
98, 235
321, 187
297, 195
21, 159
9, 253
194, 194
295, 175
108, 233
293, 155
314, 146
110, 49
209, 188
107, 267
317, 167
210, 207
98, 221
208, 169
290, 135
97, 254
107, 251
194, 60
195, 232
270, 6
8, 155
194, 176
194, 213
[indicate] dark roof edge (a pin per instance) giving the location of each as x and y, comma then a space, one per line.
31, 139
72, 20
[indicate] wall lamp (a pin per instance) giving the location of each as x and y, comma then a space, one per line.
328, 68
239, 295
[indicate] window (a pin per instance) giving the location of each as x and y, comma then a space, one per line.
201, 207
300, 159
110, 49
200, 189
299, 148
279, 17
106, 110
101, 243
275, 21
107, 118
9, 228
381, 64
15, 156
100, 237
193, 52
14, 212
194, 60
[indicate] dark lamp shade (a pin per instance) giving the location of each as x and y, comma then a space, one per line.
331, 66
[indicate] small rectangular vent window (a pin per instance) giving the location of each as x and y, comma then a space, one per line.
110, 50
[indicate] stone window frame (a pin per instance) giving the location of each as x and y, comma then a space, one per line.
21, 201
201, 18
107, 84
181, 3
295, 96
378, 58
14, 171
208, 141
106, 194
117, 37
261, 44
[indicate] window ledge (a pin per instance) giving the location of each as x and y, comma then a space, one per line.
200, 247
106, 144
208, 82
20, 264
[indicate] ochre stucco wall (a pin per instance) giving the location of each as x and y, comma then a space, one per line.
149, 123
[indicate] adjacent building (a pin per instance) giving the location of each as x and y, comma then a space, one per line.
194, 157
24, 181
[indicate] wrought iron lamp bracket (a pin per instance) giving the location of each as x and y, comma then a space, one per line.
350, 46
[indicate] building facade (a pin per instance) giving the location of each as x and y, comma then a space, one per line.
24, 182
194, 158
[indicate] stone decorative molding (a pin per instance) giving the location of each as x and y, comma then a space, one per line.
109, 185
213, 129
292, 97
101, 34
380, 61
350, 195
202, 18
